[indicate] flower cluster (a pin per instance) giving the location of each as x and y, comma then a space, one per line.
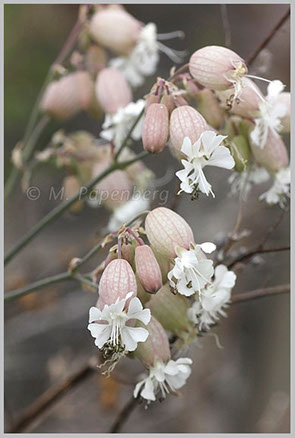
217, 116
150, 290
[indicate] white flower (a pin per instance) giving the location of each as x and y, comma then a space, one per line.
116, 126
110, 324
192, 271
165, 378
270, 114
207, 151
214, 297
242, 182
280, 189
128, 211
143, 59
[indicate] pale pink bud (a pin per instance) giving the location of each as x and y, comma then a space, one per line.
116, 282
148, 269
166, 229
156, 347
185, 121
211, 66
285, 99
171, 311
115, 29
248, 102
95, 59
155, 128
209, 107
67, 96
115, 188
127, 252
112, 90
273, 156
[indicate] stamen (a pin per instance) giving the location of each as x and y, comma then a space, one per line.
175, 55
170, 35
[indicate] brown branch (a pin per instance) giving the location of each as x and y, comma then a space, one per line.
244, 257
49, 397
124, 415
260, 293
265, 42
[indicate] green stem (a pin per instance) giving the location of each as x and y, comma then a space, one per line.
60, 209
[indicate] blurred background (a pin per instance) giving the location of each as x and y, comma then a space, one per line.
242, 387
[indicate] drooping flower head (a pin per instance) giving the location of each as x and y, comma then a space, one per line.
192, 271
271, 112
110, 326
209, 305
206, 151
218, 68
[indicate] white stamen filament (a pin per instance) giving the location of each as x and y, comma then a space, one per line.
169, 35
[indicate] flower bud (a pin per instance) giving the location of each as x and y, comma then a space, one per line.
67, 96
284, 99
165, 230
95, 59
156, 347
127, 252
240, 151
155, 128
115, 29
114, 189
274, 154
112, 90
213, 66
209, 107
148, 269
168, 101
72, 187
116, 282
171, 311
185, 121
248, 102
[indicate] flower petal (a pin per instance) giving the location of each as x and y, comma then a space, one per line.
221, 157
94, 314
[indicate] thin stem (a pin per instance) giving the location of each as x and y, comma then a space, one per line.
180, 70
260, 293
265, 42
66, 49
124, 415
15, 173
49, 397
128, 136
64, 276
61, 208
225, 24
40, 284
243, 257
